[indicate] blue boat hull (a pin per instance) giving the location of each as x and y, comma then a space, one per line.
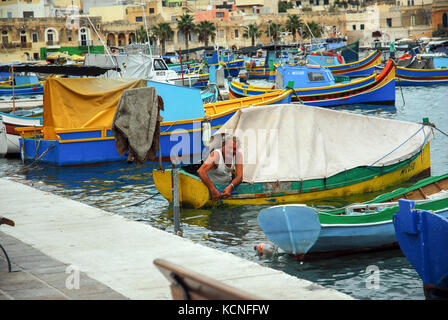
423, 238
22, 91
413, 77
90, 147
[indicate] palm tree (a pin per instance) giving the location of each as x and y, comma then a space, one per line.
251, 31
273, 31
315, 29
141, 35
163, 32
205, 30
186, 26
293, 25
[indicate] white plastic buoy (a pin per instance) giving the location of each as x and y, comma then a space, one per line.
265, 249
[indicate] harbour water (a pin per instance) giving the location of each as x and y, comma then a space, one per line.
124, 189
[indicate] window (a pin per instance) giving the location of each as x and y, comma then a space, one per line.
389, 22
151, 10
221, 33
315, 76
354, 27
35, 56
138, 19
159, 65
361, 27
9, 15
219, 14
28, 14
326, 2
412, 20
34, 36
236, 33
445, 20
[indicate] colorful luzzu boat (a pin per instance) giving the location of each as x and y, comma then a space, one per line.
316, 86
232, 67
421, 77
78, 115
23, 85
306, 158
361, 68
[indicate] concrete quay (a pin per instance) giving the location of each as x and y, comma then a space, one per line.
115, 255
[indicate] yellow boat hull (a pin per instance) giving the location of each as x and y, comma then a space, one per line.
193, 193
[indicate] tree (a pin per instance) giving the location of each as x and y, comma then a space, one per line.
163, 32
293, 25
273, 31
205, 30
141, 35
284, 5
315, 29
251, 31
186, 25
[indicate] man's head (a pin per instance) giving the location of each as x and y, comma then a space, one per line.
229, 147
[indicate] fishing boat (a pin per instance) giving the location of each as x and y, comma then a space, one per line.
11, 137
316, 86
78, 115
300, 157
423, 236
225, 58
421, 77
23, 85
301, 230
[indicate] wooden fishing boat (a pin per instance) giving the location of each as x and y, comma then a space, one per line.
361, 68
23, 85
292, 177
423, 236
11, 136
83, 135
232, 67
316, 86
301, 230
421, 77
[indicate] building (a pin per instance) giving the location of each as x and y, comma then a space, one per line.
25, 39
25, 8
440, 17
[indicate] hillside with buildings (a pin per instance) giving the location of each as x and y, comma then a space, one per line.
31, 28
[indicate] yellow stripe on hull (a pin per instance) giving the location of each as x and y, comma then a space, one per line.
195, 194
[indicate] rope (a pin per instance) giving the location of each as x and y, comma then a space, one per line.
403, 143
150, 197
434, 126
295, 93
401, 90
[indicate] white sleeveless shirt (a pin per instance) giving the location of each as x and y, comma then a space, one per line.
222, 174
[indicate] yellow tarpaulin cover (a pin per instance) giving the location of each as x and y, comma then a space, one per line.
75, 57
77, 103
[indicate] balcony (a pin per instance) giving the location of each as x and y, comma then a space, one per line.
26, 45
51, 44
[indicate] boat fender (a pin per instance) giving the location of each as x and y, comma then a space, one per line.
340, 58
273, 87
206, 133
265, 249
34, 88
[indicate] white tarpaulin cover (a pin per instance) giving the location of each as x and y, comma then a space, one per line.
131, 66
291, 142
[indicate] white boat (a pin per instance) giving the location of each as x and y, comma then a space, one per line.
139, 66
9, 138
